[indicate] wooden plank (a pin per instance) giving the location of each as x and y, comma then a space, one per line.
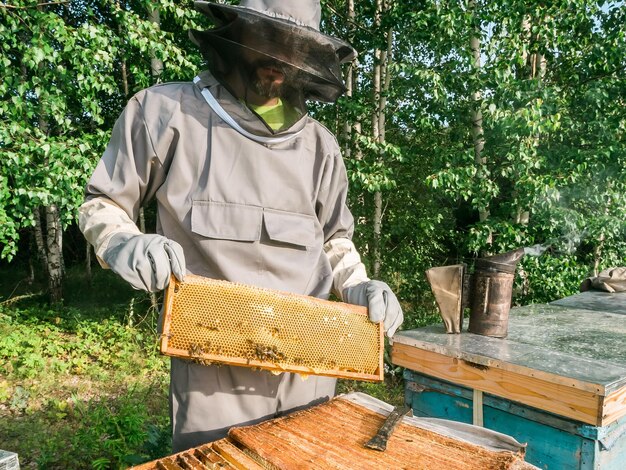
566, 401
333, 435
477, 408
235, 456
418, 383
209, 457
200, 458
614, 407
188, 461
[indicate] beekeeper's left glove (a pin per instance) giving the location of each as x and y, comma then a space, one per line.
381, 302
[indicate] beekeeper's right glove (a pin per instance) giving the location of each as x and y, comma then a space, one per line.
145, 261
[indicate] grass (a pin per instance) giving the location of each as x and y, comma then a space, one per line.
83, 385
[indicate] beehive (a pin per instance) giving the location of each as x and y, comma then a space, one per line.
308, 439
212, 321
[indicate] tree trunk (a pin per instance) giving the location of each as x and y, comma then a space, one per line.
537, 67
597, 251
31, 262
381, 84
39, 241
349, 79
142, 220
156, 65
124, 79
597, 254
49, 249
476, 114
54, 239
88, 272
352, 128
52, 251
123, 67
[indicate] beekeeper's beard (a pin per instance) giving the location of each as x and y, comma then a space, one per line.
267, 78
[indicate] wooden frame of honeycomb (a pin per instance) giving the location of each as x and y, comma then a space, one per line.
219, 322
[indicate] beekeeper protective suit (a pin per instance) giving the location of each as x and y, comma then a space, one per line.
249, 189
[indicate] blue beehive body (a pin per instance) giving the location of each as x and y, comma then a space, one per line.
553, 442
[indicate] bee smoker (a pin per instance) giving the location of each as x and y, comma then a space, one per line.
492, 289
487, 291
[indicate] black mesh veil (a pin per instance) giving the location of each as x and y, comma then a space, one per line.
244, 39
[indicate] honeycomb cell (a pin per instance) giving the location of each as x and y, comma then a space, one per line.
211, 321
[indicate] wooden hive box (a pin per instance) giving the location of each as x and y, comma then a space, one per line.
308, 439
212, 321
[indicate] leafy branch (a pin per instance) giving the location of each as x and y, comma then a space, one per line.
15, 7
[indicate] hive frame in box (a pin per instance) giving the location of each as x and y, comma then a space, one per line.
275, 335
307, 439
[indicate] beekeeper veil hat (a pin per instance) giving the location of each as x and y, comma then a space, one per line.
279, 33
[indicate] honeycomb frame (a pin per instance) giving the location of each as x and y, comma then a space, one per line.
219, 322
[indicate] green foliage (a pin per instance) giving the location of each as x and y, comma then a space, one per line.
68, 68
542, 280
81, 387
549, 88
117, 433
551, 96
35, 343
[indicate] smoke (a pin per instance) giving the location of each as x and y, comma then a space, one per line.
535, 250
565, 244
572, 240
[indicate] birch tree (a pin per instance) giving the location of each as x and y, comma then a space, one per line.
59, 96
550, 75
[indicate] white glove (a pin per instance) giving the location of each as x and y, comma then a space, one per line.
381, 302
145, 261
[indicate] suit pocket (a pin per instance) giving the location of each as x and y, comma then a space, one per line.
226, 221
290, 227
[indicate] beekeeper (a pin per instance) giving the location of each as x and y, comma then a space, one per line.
248, 188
